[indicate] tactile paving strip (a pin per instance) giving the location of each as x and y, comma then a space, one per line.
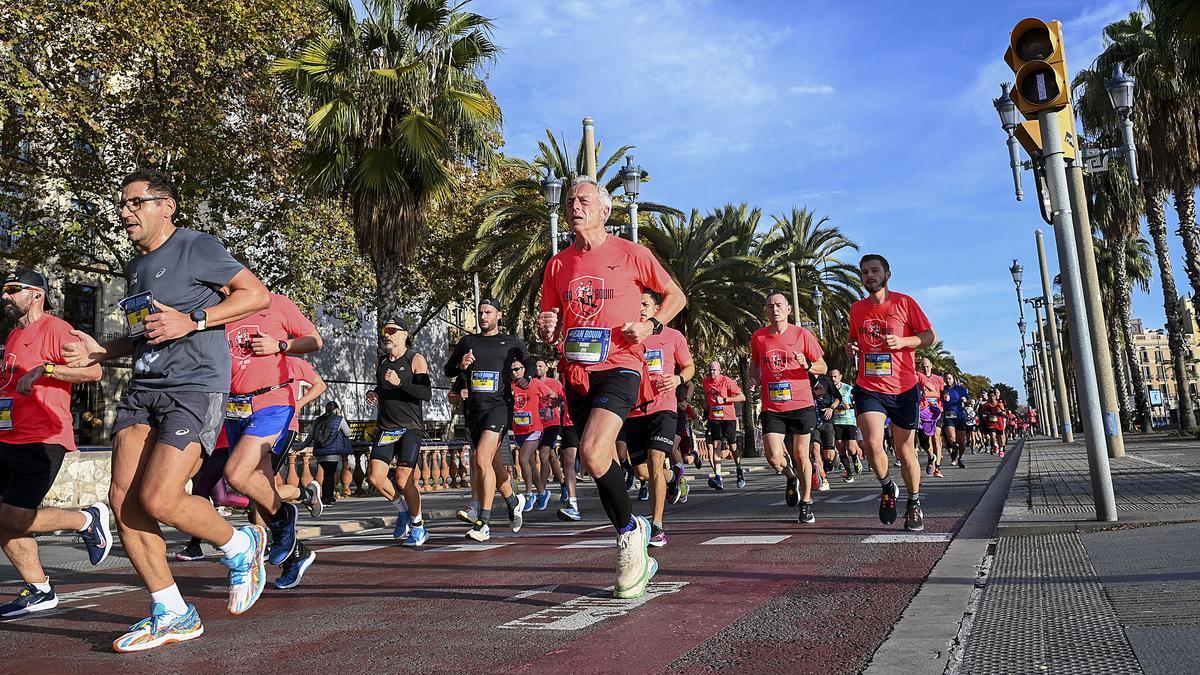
1043, 610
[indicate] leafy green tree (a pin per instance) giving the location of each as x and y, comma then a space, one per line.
396, 100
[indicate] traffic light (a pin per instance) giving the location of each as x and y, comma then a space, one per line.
1030, 134
1037, 55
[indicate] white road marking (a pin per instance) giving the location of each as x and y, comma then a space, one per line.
534, 591
97, 592
746, 540
849, 498
1161, 465
911, 537
352, 548
467, 548
591, 543
586, 610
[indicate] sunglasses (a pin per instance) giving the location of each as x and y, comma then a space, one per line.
13, 289
391, 331
518, 370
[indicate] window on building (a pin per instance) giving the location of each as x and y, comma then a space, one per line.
1145, 356
80, 304
1146, 372
1158, 357
1162, 373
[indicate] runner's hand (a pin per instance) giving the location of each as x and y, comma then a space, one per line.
167, 324
801, 360
467, 359
894, 341
852, 350
547, 325
391, 378
264, 345
372, 397
522, 382
84, 353
636, 331
665, 384
828, 413
25, 384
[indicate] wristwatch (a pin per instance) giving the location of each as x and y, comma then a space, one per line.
47, 368
283, 346
201, 318
657, 325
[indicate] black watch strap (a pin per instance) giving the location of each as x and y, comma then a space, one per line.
658, 327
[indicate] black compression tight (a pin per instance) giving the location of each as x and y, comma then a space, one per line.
613, 496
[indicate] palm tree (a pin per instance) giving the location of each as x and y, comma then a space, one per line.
1124, 262
1168, 159
396, 97
513, 242
819, 251
943, 361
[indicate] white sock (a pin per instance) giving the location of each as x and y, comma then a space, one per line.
574, 503
43, 586
415, 520
87, 520
239, 543
170, 598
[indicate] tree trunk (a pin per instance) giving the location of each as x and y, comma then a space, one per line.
387, 289
1122, 383
1156, 219
749, 447
1185, 206
1123, 301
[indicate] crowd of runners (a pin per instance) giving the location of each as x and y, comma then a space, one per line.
607, 395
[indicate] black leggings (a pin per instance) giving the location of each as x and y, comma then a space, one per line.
329, 468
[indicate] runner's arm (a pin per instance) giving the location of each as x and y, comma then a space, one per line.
818, 367
244, 295
421, 387
304, 344
314, 393
453, 364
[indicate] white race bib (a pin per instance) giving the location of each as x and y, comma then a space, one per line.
587, 345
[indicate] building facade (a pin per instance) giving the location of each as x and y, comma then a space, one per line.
1152, 355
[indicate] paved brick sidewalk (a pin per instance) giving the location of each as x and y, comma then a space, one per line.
1061, 592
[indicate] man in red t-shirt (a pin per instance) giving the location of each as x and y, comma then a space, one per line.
886, 329
260, 409
650, 429
932, 386
35, 435
527, 429
720, 393
782, 356
550, 409
591, 296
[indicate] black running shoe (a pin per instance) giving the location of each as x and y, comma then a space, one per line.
914, 521
793, 492
806, 514
887, 503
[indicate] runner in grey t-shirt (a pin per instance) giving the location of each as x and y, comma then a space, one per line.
182, 286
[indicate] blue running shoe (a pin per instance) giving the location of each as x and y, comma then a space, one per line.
160, 628
530, 502
283, 534
716, 483
295, 567
402, 528
644, 493
247, 571
417, 537
565, 497
543, 500
570, 513
30, 599
741, 478
97, 537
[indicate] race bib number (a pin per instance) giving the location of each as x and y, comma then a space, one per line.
485, 381
238, 409
718, 413
391, 436
654, 360
587, 345
877, 365
522, 419
137, 308
6, 420
779, 392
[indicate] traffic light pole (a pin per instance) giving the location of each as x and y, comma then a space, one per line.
1055, 372
1097, 328
1081, 348
1052, 412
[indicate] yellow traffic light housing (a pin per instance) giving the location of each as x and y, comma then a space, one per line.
1030, 134
1037, 56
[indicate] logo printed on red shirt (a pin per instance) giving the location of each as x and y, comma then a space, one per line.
586, 295
241, 342
519, 401
777, 360
874, 331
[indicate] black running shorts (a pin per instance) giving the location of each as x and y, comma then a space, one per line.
800, 421
614, 390
404, 445
722, 430
27, 472
904, 410
494, 418
649, 432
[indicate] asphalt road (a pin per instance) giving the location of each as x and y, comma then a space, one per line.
742, 586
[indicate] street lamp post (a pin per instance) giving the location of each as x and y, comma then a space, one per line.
795, 293
1120, 93
1018, 273
1008, 121
631, 180
552, 193
818, 297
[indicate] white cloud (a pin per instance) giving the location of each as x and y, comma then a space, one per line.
811, 89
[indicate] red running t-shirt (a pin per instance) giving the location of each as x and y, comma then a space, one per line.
45, 415
597, 292
931, 389
526, 418
785, 384
724, 387
879, 368
551, 402
303, 378
280, 321
663, 353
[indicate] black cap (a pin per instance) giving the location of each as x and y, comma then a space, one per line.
493, 302
397, 322
28, 277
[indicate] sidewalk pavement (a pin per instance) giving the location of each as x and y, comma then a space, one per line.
1061, 592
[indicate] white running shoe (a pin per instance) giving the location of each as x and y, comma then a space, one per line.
635, 567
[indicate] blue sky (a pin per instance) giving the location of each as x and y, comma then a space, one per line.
878, 115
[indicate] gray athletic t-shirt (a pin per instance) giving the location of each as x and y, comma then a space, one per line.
185, 273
